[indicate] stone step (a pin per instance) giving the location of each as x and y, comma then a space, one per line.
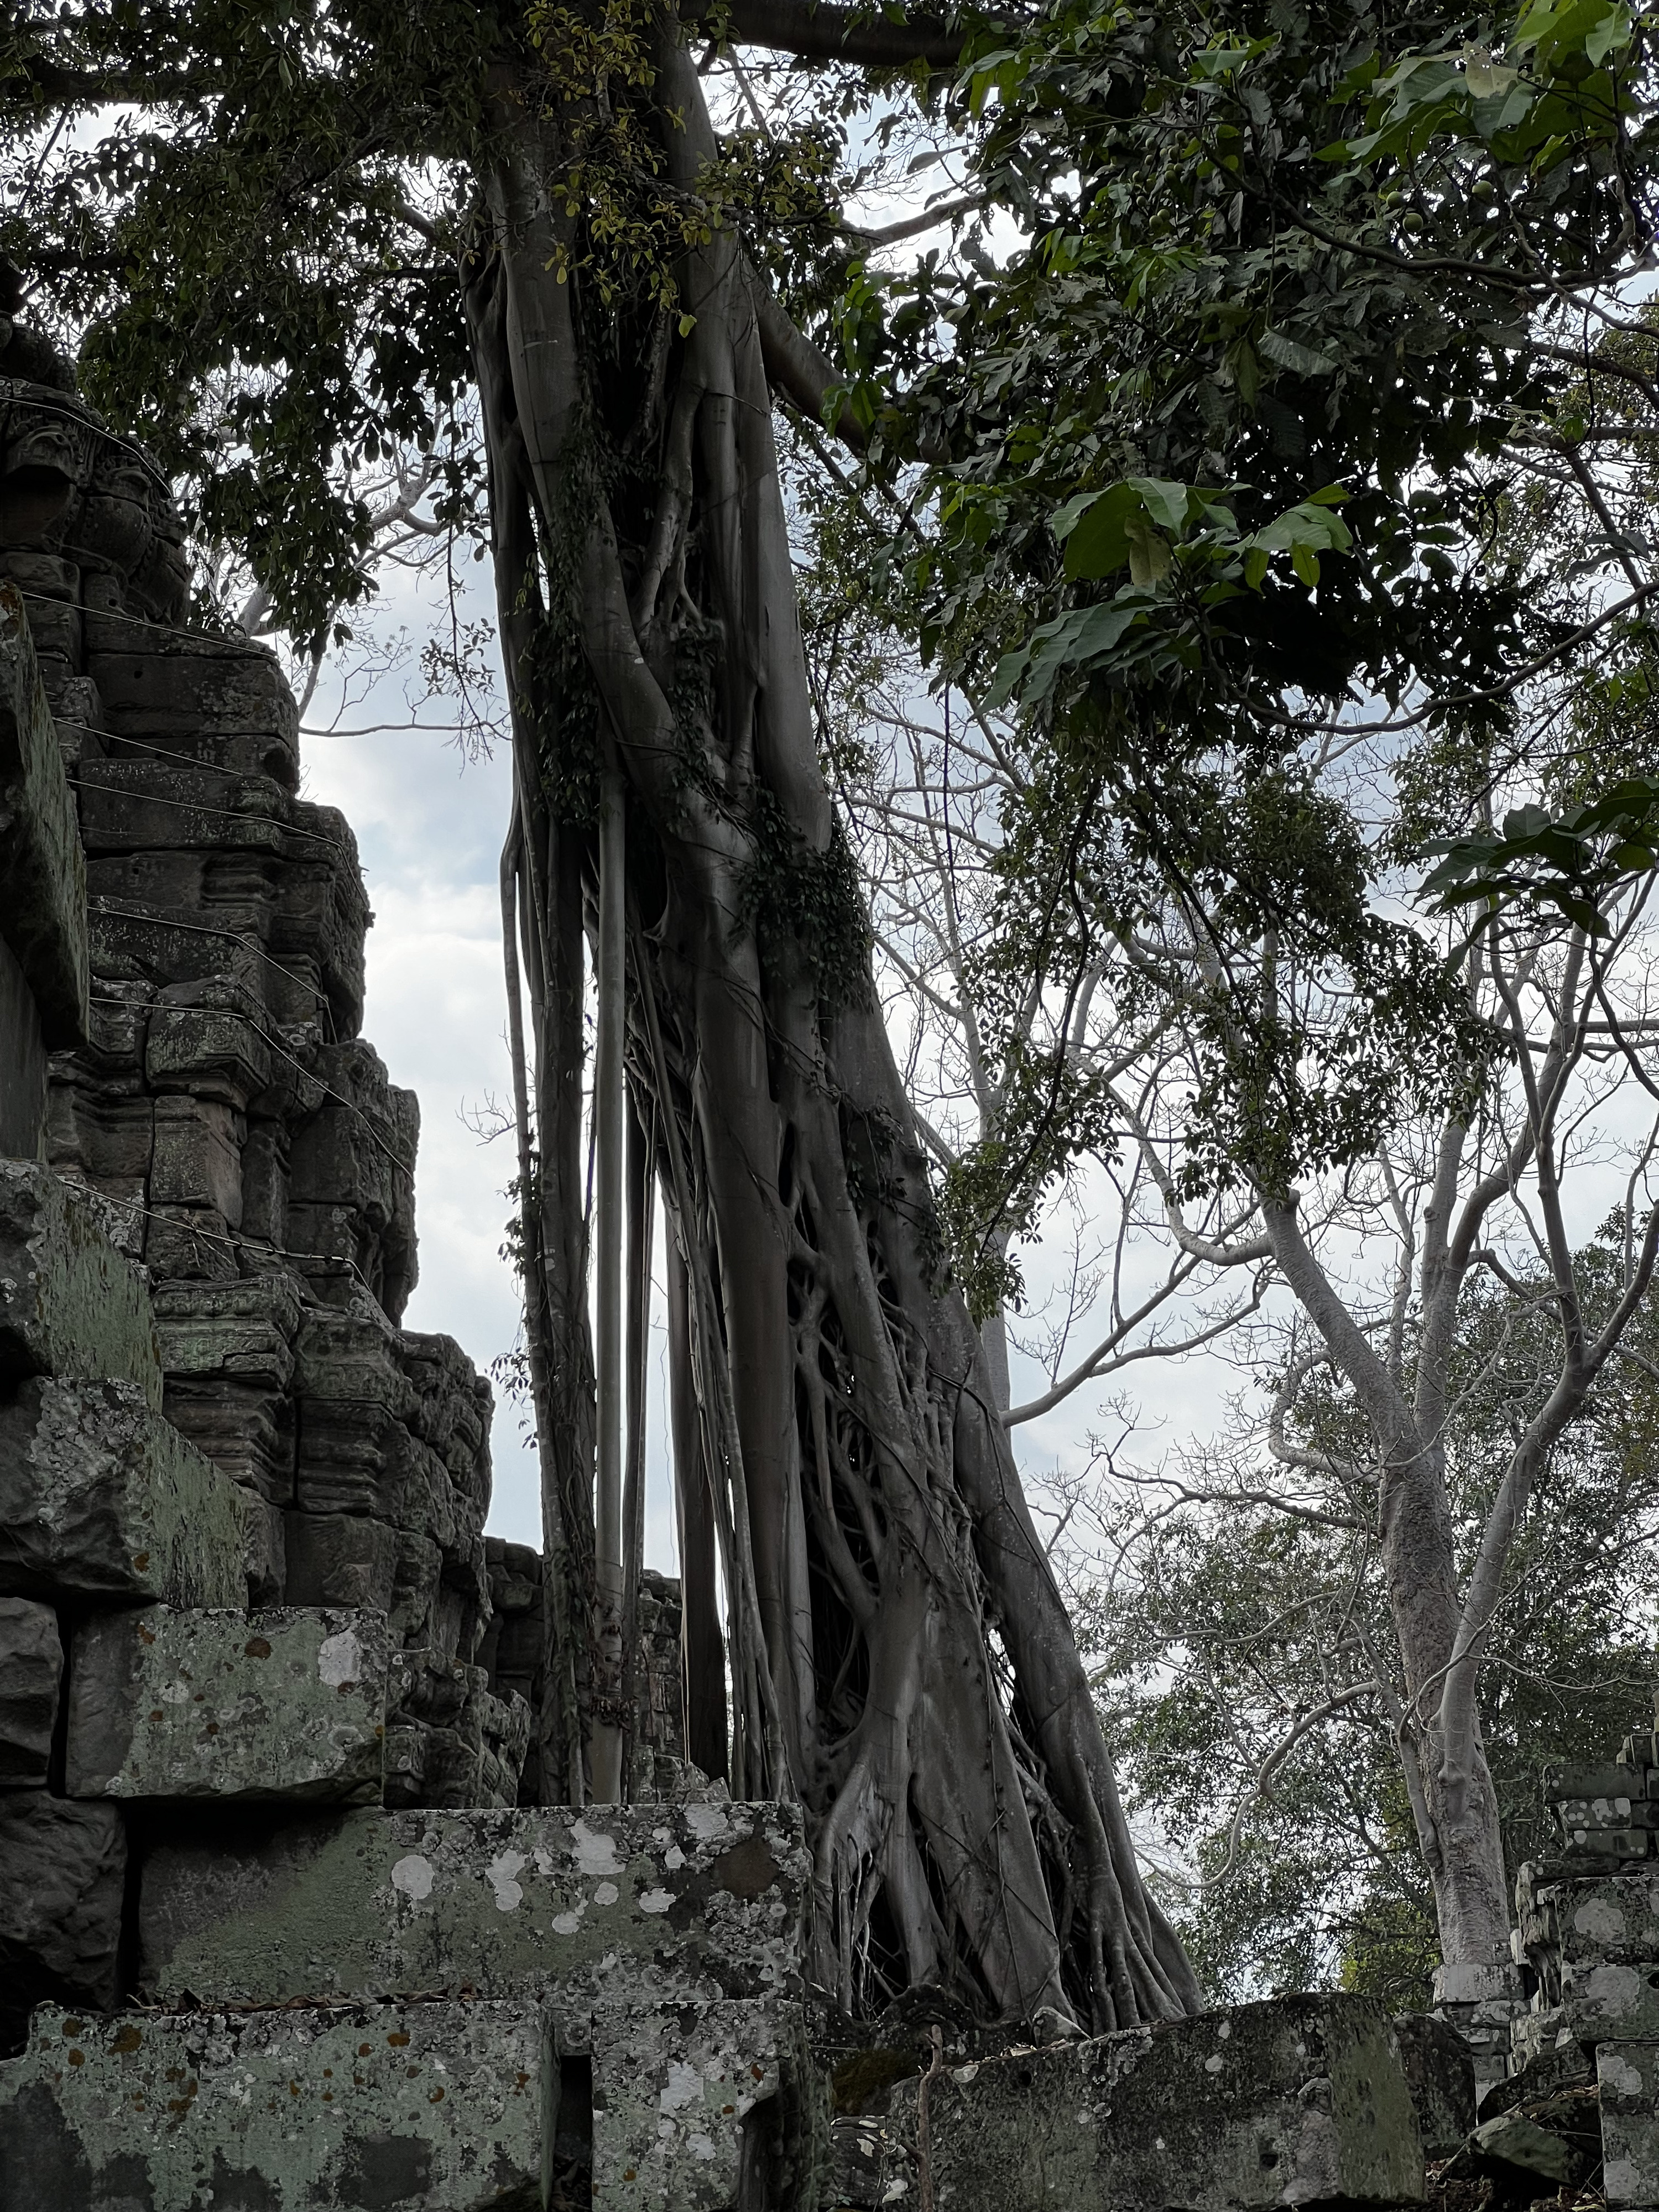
701, 1901
439, 2104
229, 1706
100, 1498
454, 2106
674, 2088
1293, 2101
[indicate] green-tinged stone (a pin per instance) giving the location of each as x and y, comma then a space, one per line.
435, 2104
100, 1498
675, 2087
71, 1305
615, 1902
1295, 2101
286, 1703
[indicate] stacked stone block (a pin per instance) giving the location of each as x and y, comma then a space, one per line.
211, 1091
131, 1672
1588, 1932
274, 1932
373, 2007
1298, 2100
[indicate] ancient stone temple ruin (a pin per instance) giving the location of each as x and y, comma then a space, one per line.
284, 1921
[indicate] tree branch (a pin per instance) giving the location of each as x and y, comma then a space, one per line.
827, 33
795, 366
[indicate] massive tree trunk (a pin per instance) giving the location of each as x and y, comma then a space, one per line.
902, 1663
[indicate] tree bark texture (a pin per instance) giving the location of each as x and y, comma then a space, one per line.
900, 1660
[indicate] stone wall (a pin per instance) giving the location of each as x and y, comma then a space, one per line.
275, 1930
255, 1157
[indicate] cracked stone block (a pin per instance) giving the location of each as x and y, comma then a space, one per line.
1627, 2079
673, 2086
1297, 2100
374, 2106
71, 1305
224, 1705
62, 1873
100, 1497
31, 1668
614, 1902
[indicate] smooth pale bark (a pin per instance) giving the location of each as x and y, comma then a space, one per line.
702, 1644
609, 1127
637, 1330
901, 1659
541, 919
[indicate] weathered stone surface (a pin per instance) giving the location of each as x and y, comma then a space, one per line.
340, 1558
1580, 1923
614, 1902
1441, 2078
71, 1305
289, 1703
211, 1052
62, 1869
854, 2176
1512, 2139
673, 2085
43, 884
439, 2105
100, 1497
1627, 2078
1297, 2101
31, 1665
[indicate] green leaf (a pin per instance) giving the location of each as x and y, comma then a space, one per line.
1098, 542
1289, 352
1166, 503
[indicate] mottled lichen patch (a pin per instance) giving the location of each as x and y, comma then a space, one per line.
702, 1901
289, 1703
672, 2087
1296, 2101
161, 2113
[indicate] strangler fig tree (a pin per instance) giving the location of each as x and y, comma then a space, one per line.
297, 236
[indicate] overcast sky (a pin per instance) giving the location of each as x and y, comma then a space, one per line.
429, 826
